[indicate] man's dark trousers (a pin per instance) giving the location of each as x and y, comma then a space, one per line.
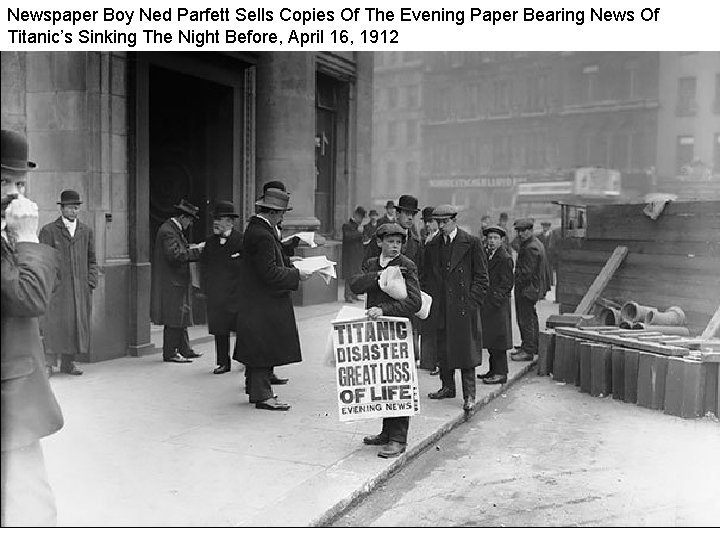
257, 383
447, 375
396, 428
498, 361
222, 350
175, 340
527, 321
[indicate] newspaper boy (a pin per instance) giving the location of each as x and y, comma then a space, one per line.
390, 238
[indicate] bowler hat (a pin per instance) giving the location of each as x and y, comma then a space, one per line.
390, 204
274, 199
188, 209
14, 152
407, 203
360, 210
427, 213
224, 209
444, 211
523, 224
275, 184
496, 229
372, 213
390, 228
69, 196
545, 223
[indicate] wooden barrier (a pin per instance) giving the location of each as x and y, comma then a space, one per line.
712, 388
558, 371
618, 372
584, 349
685, 387
652, 372
632, 359
601, 370
546, 352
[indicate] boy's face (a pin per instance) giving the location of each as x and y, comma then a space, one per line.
390, 245
494, 240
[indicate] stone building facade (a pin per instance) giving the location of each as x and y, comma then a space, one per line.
134, 133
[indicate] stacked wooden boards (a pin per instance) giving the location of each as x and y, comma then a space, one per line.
678, 375
671, 261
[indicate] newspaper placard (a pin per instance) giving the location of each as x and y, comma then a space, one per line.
375, 365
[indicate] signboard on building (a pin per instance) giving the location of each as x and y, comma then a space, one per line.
375, 368
479, 182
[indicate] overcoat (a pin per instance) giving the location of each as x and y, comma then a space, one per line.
267, 334
171, 296
496, 312
457, 296
548, 242
29, 409
220, 272
352, 249
367, 282
531, 279
66, 324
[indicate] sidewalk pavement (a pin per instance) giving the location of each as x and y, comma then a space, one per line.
148, 443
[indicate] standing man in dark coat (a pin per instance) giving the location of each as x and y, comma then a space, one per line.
548, 239
405, 211
530, 287
221, 267
455, 275
389, 216
66, 325
352, 250
171, 297
379, 304
496, 312
370, 228
267, 333
428, 354
29, 409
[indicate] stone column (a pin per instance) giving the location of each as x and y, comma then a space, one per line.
286, 131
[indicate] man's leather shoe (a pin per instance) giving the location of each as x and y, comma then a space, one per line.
278, 380
495, 379
71, 370
521, 356
392, 449
192, 354
221, 369
468, 404
435, 371
272, 404
177, 358
376, 440
487, 375
442, 394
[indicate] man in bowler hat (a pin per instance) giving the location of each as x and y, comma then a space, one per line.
220, 270
390, 215
171, 296
66, 325
455, 275
29, 409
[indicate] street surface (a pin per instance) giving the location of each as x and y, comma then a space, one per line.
547, 455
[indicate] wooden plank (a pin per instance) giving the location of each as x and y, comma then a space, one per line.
712, 326
601, 281
624, 342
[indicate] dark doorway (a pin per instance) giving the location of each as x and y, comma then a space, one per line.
191, 147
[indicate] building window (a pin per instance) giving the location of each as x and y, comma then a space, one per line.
501, 97
537, 93
413, 97
621, 146
590, 83
392, 97
501, 152
637, 150
716, 154
686, 105
633, 82
684, 153
411, 129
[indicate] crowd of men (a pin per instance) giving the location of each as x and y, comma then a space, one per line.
248, 277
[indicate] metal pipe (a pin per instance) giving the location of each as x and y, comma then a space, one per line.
674, 316
634, 312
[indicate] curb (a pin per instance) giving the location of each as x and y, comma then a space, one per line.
412, 452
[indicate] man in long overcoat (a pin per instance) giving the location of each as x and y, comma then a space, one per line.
29, 409
530, 287
66, 325
352, 250
455, 275
267, 333
548, 239
220, 268
495, 312
171, 296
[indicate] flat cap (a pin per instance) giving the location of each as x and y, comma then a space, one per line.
496, 229
389, 229
523, 224
445, 211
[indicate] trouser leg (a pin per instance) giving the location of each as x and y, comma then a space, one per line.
498, 361
467, 377
259, 383
447, 375
67, 362
171, 341
528, 323
184, 346
222, 350
428, 347
27, 498
396, 428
